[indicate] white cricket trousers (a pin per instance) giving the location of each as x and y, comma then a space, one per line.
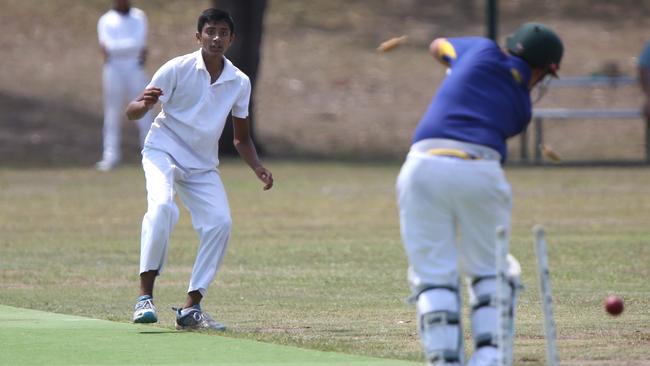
203, 194
440, 198
122, 82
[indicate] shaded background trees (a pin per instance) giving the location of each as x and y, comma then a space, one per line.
321, 89
244, 53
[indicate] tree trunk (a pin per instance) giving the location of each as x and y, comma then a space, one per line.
244, 53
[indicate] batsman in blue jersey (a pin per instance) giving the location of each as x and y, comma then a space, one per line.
453, 194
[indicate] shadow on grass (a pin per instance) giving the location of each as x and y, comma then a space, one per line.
159, 332
42, 133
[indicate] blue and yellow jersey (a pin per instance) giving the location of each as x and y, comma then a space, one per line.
484, 99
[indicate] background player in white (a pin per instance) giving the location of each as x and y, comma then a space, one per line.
197, 92
122, 35
452, 183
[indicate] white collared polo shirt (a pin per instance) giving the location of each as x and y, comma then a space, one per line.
194, 111
123, 36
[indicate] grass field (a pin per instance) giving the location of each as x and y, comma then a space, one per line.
317, 261
71, 340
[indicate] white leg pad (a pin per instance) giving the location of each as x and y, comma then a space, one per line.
484, 315
439, 326
484, 311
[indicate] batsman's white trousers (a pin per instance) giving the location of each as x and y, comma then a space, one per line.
122, 82
441, 197
203, 194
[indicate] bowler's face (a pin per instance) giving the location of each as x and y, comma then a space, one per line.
215, 38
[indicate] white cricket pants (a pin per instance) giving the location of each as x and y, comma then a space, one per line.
440, 198
204, 196
122, 82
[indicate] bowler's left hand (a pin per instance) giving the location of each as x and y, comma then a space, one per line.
265, 176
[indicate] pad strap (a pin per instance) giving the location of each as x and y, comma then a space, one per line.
414, 297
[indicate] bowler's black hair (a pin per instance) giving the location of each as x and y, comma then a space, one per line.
214, 15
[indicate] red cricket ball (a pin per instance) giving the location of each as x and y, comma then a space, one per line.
614, 305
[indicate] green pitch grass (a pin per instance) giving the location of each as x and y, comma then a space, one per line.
317, 262
30, 337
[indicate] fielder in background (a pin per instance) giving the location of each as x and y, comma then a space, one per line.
122, 35
644, 78
197, 92
452, 182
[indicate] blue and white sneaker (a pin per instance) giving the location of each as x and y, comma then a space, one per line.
145, 310
195, 319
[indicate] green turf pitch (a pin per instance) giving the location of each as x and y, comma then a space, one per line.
30, 337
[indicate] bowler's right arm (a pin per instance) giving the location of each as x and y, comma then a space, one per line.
142, 104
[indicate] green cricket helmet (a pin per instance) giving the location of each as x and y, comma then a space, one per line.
538, 45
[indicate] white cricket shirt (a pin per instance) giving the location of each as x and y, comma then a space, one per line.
194, 111
123, 35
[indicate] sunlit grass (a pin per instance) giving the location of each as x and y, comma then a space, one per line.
317, 262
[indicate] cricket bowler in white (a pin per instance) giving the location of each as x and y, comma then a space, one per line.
122, 33
180, 155
453, 194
